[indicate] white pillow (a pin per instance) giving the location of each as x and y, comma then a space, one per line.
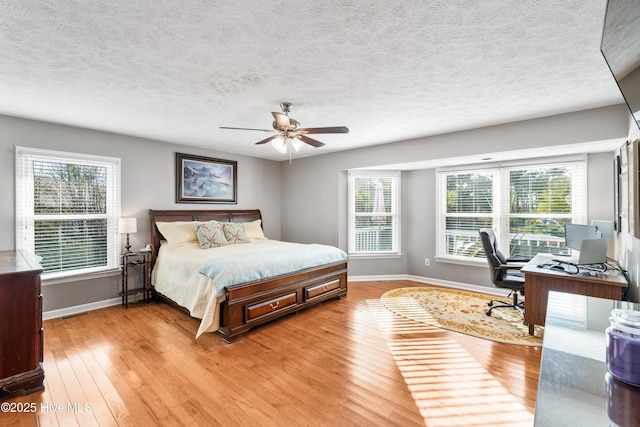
254, 230
178, 232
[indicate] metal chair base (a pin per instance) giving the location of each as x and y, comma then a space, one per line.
515, 304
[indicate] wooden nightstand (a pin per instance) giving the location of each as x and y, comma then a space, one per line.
137, 261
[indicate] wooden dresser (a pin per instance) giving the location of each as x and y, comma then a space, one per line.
21, 335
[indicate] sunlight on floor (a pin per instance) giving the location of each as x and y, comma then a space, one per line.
410, 308
449, 386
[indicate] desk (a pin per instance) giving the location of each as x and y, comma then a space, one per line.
539, 281
574, 388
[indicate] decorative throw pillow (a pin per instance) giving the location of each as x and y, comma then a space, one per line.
234, 233
210, 235
254, 230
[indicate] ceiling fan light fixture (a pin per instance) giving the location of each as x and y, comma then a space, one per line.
288, 132
296, 143
279, 144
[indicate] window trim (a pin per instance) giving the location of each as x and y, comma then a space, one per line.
24, 206
397, 217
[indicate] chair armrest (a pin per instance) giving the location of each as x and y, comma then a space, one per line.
507, 267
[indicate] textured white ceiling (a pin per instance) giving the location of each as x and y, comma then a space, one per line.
389, 70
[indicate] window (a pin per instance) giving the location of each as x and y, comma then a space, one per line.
67, 208
374, 212
528, 206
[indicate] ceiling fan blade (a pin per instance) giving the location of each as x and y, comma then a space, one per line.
334, 129
264, 141
282, 121
261, 130
310, 141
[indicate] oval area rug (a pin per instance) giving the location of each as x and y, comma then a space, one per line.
461, 311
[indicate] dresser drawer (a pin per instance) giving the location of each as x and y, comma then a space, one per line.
260, 309
317, 290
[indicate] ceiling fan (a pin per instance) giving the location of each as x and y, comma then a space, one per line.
288, 131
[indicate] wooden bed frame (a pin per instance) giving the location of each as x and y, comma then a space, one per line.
251, 304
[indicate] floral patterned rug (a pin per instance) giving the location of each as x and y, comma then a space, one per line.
461, 311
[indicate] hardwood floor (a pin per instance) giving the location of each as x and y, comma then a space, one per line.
348, 362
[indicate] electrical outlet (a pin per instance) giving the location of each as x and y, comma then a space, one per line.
427, 262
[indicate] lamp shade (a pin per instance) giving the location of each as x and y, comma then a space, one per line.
296, 143
279, 144
127, 225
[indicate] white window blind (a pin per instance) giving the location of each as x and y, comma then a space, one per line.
67, 208
540, 201
374, 212
466, 204
527, 204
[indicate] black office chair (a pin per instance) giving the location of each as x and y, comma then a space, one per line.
504, 272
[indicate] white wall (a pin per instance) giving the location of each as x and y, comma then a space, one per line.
419, 199
148, 182
306, 201
628, 247
314, 194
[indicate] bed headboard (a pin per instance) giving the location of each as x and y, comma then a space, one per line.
190, 215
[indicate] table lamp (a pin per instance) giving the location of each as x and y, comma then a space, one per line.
127, 226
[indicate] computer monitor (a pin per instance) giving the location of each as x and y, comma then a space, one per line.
574, 234
605, 227
607, 230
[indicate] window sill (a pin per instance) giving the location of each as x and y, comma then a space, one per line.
77, 277
375, 256
471, 262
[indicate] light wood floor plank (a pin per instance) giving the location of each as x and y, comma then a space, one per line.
347, 362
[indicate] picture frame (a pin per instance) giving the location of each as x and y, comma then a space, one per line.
633, 158
623, 190
617, 223
202, 179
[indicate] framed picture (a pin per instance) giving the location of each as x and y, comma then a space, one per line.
617, 222
623, 190
205, 180
633, 158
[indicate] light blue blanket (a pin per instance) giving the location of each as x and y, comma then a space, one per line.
229, 270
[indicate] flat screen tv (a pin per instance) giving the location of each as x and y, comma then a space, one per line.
621, 49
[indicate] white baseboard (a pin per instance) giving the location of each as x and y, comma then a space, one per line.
439, 282
377, 278
77, 309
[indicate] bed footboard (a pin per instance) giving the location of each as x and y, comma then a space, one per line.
249, 305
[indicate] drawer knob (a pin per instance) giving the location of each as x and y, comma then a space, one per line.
325, 287
274, 305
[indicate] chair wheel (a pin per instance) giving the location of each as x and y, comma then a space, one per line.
488, 312
490, 303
